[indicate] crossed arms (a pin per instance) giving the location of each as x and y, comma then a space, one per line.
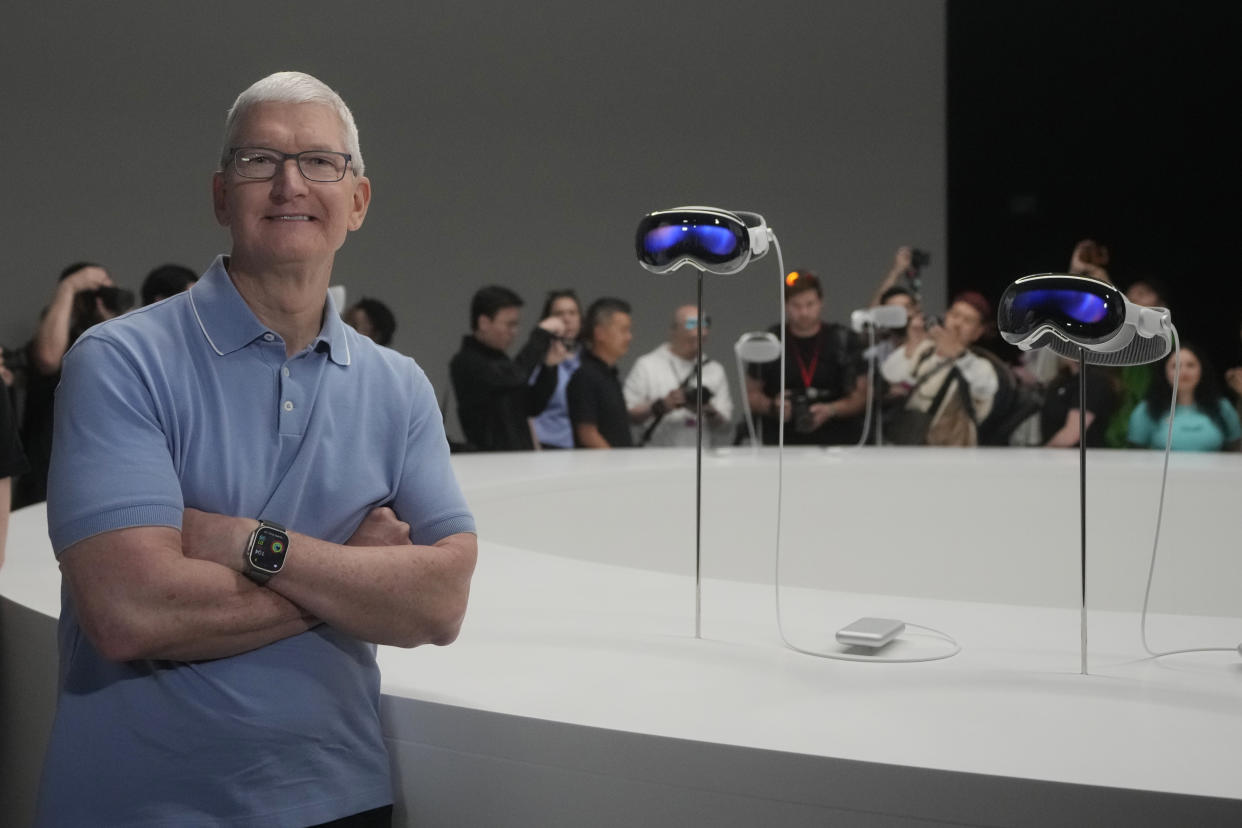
152, 592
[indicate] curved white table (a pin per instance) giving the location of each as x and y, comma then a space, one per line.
577, 694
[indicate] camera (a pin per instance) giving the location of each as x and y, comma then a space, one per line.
14, 359
919, 259
115, 299
801, 401
693, 390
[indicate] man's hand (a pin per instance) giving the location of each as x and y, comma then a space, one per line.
557, 351
674, 399
554, 325
1089, 259
1233, 377
786, 409
381, 527
902, 260
820, 414
6, 376
947, 345
88, 278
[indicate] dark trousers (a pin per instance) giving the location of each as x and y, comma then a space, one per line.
375, 818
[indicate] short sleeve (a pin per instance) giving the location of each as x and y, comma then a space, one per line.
111, 467
428, 496
637, 384
583, 404
1233, 426
1141, 426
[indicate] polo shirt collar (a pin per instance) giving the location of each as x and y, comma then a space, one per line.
588, 354
229, 325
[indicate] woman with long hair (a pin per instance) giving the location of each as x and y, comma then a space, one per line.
1205, 421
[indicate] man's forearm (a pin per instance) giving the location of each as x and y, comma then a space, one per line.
589, 437
398, 595
52, 337
161, 605
403, 595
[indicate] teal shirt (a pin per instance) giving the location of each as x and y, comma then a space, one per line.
1193, 429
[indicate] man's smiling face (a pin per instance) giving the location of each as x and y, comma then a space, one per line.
287, 219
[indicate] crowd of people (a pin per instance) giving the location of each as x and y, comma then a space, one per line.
934, 381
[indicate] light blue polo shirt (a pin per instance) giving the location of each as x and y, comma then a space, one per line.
192, 402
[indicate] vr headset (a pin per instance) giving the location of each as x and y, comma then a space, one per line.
706, 238
1067, 313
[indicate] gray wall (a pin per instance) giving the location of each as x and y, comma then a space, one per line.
513, 143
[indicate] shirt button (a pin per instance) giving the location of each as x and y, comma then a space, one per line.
285, 370
288, 405
269, 337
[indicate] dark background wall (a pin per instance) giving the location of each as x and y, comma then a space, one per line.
1114, 121
512, 143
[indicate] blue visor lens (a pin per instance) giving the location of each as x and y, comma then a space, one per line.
713, 243
1087, 311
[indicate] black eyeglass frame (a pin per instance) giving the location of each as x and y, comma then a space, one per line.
297, 157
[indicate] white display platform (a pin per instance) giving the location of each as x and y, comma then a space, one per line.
578, 695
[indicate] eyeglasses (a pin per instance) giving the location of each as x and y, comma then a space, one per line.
692, 323
323, 166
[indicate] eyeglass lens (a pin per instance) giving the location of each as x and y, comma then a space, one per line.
315, 165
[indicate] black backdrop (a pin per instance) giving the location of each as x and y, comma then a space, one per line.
1104, 120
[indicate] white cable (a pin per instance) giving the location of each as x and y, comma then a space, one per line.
1164, 480
780, 484
862, 440
937, 634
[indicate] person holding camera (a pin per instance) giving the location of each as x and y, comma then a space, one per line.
661, 389
552, 427
85, 296
947, 389
495, 395
825, 376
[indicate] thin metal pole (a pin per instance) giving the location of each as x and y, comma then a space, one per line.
698, 476
1082, 491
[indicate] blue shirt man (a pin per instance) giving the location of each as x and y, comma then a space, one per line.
189, 694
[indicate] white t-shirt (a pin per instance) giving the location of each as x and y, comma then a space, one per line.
659, 372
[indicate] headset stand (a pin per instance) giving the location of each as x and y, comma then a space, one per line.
698, 472
1082, 493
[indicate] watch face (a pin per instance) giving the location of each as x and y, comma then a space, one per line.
268, 551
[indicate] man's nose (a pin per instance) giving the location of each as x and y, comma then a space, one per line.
288, 179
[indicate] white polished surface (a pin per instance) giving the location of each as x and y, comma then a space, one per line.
582, 608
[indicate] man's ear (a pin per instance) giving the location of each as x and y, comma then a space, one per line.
218, 203
362, 199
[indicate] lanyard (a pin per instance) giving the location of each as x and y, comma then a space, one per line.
808, 372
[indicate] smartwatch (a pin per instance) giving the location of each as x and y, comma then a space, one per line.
266, 551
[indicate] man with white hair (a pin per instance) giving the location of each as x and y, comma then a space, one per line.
246, 496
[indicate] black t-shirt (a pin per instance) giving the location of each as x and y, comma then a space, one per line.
594, 396
12, 461
832, 360
1062, 396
